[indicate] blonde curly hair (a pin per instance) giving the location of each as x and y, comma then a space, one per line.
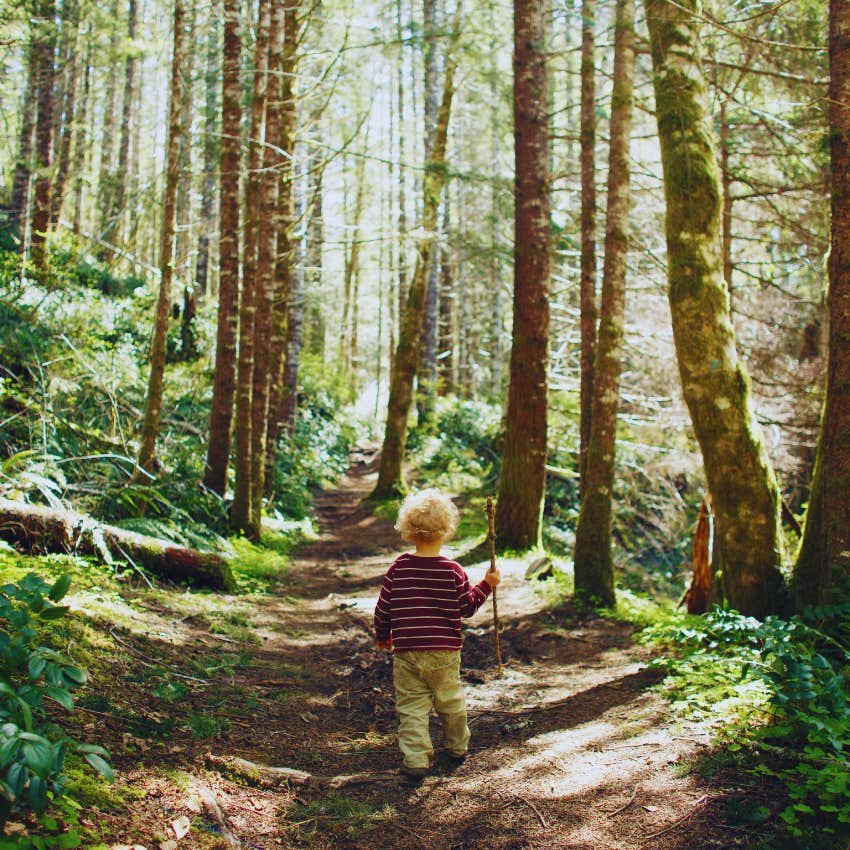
426, 516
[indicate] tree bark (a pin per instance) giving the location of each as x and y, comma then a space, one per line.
714, 382
241, 510
522, 482
822, 571
593, 558
211, 153
29, 109
221, 414
38, 529
153, 405
390, 477
269, 227
587, 286
45, 47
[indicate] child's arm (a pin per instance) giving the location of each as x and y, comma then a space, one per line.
383, 612
472, 598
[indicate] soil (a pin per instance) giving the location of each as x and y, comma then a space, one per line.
572, 746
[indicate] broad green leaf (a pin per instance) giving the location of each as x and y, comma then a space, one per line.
75, 675
54, 612
60, 587
40, 757
101, 766
36, 666
61, 696
37, 794
16, 777
92, 748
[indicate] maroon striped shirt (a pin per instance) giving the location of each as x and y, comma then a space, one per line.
422, 600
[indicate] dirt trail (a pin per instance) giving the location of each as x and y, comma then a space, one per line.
571, 747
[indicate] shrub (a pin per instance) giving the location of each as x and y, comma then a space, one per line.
777, 692
32, 747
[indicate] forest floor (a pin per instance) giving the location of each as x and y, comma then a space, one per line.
572, 747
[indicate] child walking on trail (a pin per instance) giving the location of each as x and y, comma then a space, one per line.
423, 597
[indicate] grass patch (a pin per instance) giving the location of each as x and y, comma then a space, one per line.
335, 814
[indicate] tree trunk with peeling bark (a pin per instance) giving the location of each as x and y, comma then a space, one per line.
522, 482
822, 571
714, 383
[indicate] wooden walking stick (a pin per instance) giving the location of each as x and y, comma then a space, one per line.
491, 538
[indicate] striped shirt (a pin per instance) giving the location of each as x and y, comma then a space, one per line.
422, 600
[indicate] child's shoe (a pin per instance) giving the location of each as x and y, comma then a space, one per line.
413, 773
454, 759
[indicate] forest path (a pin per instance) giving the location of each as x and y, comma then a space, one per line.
571, 747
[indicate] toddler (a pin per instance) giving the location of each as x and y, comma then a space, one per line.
423, 597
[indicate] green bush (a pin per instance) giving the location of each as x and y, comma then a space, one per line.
32, 747
777, 692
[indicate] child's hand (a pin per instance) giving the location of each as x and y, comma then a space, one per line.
385, 644
493, 576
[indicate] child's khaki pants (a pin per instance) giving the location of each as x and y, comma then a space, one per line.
423, 677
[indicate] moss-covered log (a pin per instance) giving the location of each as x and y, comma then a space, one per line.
714, 383
37, 529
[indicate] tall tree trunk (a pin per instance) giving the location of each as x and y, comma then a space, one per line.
822, 571
65, 126
29, 107
285, 274
402, 176
352, 277
153, 405
448, 312
241, 511
714, 382
593, 559
79, 137
106, 176
45, 46
221, 415
496, 351
522, 482
426, 384
270, 226
314, 320
587, 286
390, 478
211, 152
726, 178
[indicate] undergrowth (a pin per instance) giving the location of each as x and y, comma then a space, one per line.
775, 695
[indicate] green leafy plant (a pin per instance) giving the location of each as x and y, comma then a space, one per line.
32, 747
776, 692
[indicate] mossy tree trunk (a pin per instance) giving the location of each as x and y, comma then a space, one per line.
593, 558
224, 379
390, 479
822, 571
153, 403
522, 482
714, 382
587, 286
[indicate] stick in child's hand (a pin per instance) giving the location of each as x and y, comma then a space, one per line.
491, 537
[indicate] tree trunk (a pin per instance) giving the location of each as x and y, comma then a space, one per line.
45, 47
38, 529
285, 275
390, 478
822, 571
221, 415
593, 559
269, 227
714, 383
240, 512
211, 151
80, 120
587, 286
522, 482
402, 177
65, 126
29, 107
153, 405
448, 315
427, 379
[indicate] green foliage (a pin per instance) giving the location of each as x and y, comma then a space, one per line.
458, 449
778, 691
336, 814
32, 747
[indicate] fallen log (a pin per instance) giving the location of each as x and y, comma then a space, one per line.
262, 774
37, 529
